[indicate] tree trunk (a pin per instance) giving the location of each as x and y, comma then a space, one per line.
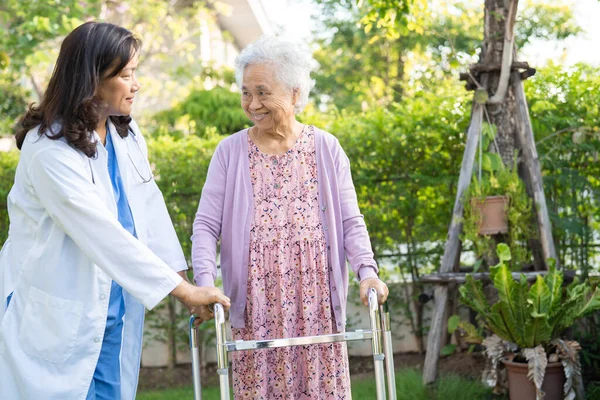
501, 114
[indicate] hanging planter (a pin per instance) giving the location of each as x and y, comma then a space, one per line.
493, 214
496, 202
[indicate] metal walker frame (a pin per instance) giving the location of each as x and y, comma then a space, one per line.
380, 335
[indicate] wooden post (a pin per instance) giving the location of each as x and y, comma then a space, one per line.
534, 171
459, 278
452, 246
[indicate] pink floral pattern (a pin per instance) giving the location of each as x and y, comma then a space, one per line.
288, 284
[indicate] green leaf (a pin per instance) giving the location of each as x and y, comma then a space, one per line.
554, 282
472, 295
471, 333
498, 324
503, 252
489, 130
491, 162
453, 322
512, 298
590, 305
448, 349
540, 296
537, 329
477, 265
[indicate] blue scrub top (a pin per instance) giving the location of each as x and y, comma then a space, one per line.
106, 383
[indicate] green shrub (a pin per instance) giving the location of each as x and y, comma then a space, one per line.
202, 110
8, 165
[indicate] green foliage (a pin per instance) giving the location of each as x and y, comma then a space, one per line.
545, 20
30, 23
201, 112
468, 332
13, 101
169, 63
389, 17
564, 108
8, 165
180, 167
28, 28
587, 332
369, 50
531, 316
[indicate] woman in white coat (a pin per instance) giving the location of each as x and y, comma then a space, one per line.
90, 240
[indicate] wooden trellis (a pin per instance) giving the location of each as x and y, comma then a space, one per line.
510, 76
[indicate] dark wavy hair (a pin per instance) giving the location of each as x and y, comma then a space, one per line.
91, 53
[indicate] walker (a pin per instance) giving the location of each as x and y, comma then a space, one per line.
379, 334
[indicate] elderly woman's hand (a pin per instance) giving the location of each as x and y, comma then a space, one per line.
378, 285
203, 313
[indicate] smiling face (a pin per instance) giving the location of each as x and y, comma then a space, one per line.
268, 103
119, 91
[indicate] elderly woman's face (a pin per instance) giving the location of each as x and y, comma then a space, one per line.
264, 100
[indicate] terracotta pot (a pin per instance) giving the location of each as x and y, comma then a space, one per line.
521, 388
494, 214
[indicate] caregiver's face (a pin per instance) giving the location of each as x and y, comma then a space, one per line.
118, 92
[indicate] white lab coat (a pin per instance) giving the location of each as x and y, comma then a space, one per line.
65, 245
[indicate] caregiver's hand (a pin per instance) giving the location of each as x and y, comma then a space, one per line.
195, 296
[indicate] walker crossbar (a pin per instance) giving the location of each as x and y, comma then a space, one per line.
241, 345
380, 336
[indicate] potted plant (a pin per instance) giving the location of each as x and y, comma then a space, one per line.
526, 323
495, 203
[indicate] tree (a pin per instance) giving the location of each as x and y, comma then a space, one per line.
32, 31
29, 29
368, 50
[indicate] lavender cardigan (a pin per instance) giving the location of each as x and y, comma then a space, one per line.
226, 210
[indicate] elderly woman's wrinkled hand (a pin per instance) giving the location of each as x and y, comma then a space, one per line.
203, 313
378, 285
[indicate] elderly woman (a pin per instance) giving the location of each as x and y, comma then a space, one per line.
280, 197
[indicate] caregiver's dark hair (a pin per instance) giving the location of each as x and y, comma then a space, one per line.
92, 52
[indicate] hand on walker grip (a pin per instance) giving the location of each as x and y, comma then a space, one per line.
197, 298
378, 285
204, 313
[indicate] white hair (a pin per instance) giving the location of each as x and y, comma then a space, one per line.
291, 65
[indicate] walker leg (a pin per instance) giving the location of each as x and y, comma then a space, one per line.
195, 359
378, 356
389, 352
222, 361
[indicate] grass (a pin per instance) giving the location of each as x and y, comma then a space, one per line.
408, 386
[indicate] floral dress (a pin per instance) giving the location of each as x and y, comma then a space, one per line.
288, 284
